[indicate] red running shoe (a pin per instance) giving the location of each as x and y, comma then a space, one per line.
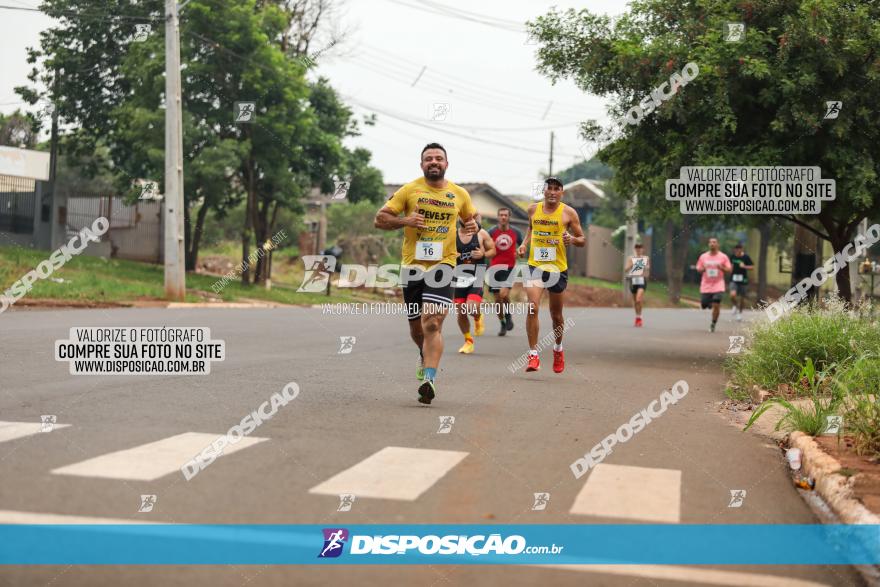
534, 363
638, 321
558, 361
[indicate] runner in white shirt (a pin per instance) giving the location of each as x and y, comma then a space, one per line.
637, 269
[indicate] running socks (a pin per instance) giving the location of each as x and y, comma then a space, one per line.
557, 347
430, 374
469, 337
533, 353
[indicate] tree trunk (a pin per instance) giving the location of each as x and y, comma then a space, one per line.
839, 234
271, 231
248, 231
192, 252
763, 249
844, 289
676, 257
260, 274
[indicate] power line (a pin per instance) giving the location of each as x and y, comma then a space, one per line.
104, 15
449, 12
505, 102
386, 123
500, 99
409, 120
454, 80
489, 103
453, 9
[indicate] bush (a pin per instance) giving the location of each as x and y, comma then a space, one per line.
861, 381
830, 336
811, 419
862, 376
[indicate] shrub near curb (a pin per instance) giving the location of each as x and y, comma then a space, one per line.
829, 336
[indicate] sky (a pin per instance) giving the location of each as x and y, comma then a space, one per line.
478, 94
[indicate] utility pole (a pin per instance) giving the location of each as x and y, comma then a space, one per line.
550, 171
175, 277
53, 141
49, 205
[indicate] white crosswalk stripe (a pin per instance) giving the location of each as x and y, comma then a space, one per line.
16, 430
14, 517
153, 460
393, 473
633, 493
700, 576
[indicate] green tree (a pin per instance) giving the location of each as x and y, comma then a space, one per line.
109, 85
760, 101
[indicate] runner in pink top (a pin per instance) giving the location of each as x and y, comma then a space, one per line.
713, 264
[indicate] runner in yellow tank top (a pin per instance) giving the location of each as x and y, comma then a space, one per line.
552, 227
548, 250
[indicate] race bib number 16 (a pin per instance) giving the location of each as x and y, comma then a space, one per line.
429, 251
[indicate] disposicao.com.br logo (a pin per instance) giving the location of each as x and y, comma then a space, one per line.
431, 544
318, 270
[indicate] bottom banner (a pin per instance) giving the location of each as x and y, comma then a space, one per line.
175, 544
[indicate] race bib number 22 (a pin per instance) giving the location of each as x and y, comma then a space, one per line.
545, 253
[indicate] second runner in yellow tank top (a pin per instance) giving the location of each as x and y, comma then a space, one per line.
547, 250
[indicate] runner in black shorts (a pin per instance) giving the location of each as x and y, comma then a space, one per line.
430, 205
712, 264
739, 279
552, 227
507, 239
472, 250
638, 280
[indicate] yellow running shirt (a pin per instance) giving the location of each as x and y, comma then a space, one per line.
441, 207
546, 249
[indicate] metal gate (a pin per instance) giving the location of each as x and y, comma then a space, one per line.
17, 200
135, 229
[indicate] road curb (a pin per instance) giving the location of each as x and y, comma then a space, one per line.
834, 488
225, 305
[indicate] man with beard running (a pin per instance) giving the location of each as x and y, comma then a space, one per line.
507, 239
430, 205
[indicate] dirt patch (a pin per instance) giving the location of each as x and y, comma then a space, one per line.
215, 265
592, 297
38, 303
864, 471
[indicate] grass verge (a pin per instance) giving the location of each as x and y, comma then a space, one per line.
98, 280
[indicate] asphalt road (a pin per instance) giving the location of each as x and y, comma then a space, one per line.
518, 434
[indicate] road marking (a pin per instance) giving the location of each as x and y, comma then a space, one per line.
12, 517
16, 430
150, 461
634, 493
701, 576
393, 473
